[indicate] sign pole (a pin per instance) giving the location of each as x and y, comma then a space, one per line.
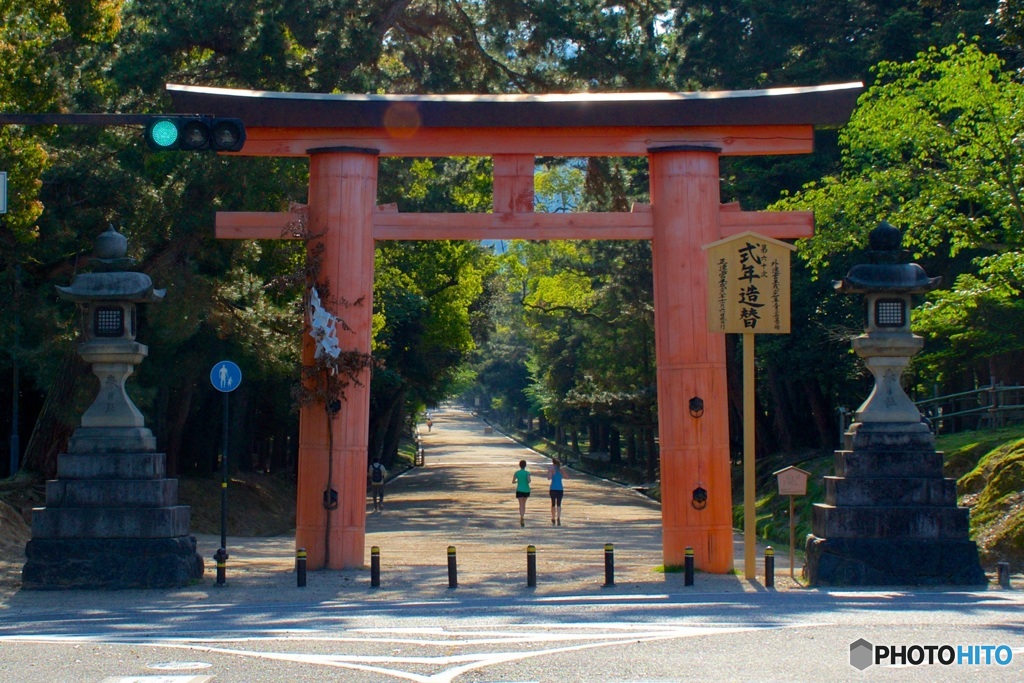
749, 470
225, 378
224, 479
792, 537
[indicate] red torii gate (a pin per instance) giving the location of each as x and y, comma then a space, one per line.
682, 135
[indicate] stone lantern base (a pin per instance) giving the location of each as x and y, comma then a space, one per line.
111, 521
890, 517
111, 563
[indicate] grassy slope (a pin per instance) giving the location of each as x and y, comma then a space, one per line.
994, 489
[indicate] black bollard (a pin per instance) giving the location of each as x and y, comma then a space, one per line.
375, 567
1003, 572
221, 558
453, 571
688, 567
300, 568
769, 567
609, 565
531, 566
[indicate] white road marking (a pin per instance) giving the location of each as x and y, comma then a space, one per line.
552, 637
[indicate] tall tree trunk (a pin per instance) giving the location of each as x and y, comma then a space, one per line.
734, 382
393, 432
828, 431
176, 418
239, 443
782, 410
381, 412
58, 418
652, 458
631, 445
614, 446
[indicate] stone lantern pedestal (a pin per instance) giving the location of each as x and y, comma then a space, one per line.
890, 517
112, 518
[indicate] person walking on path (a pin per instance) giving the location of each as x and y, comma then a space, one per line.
521, 479
377, 474
557, 490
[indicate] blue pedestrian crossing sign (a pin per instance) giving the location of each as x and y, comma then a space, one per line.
225, 376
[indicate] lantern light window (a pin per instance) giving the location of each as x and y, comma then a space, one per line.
109, 322
890, 313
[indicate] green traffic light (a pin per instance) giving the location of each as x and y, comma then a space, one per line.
194, 133
164, 134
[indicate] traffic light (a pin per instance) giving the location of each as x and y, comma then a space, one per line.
195, 133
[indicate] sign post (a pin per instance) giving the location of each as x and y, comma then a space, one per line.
225, 378
792, 482
748, 292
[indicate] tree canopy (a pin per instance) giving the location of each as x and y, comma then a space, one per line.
556, 332
934, 148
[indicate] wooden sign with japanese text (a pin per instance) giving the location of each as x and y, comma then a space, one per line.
748, 285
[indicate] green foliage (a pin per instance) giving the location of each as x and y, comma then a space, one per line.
930, 148
558, 188
933, 147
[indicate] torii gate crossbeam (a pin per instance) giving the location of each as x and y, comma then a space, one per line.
683, 135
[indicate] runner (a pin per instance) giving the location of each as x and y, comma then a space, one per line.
521, 479
556, 491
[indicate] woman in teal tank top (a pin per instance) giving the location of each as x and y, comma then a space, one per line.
522, 481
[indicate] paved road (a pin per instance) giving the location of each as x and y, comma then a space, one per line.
648, 627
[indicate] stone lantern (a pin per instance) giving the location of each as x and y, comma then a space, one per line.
890, 517
112, 518
107, 299
887, 344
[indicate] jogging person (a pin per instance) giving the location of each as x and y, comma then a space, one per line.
556, 491
521, 479
377, 474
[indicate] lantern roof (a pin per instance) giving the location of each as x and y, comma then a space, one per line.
884, 274
117, 286
109, 254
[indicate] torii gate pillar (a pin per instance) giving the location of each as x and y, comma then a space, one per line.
342, 198
691, 361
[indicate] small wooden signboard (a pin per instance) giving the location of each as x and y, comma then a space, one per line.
792, 482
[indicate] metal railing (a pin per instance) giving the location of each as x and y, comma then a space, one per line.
986, 407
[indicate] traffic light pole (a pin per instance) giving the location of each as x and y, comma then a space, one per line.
76, 119
163, 132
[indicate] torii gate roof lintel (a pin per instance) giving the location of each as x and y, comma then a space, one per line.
741, 122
